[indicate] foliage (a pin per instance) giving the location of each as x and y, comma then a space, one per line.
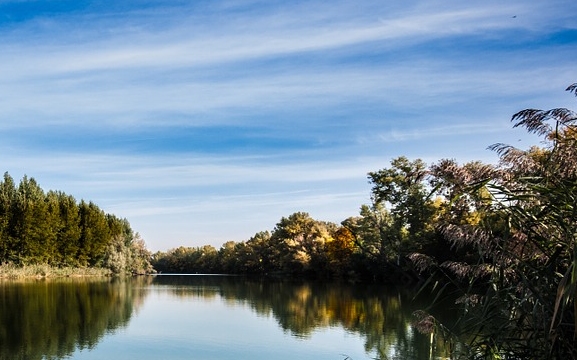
339, 252
38, 228
519, 288
298, 245
403, 190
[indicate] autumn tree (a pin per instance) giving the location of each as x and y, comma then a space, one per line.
300, 244
340, 250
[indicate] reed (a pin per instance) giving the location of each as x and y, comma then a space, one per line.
13, 271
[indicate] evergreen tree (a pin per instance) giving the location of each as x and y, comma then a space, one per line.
7, 200
68, 230
94, 234
32, 232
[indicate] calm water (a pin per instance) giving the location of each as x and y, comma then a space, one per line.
207, 317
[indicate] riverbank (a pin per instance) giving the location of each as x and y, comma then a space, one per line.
12, 271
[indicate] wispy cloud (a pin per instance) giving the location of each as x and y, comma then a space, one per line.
194, 66
200, 42
185, 113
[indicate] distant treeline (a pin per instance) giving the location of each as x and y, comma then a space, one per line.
302, 246
38, 227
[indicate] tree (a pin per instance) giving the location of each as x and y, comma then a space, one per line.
140, 256
257, 254
68, 234
402, 189
94, 234
450, 181
127, 254
299, 242
229, 258
207, 261
51, 228
340, 250
7, 202
372, 231
33, 232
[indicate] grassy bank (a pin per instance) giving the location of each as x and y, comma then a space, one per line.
12, 271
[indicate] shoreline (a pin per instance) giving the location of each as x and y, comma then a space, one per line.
42, 271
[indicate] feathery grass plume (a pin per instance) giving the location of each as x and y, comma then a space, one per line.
517, 270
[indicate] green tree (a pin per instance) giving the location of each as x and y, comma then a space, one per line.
51, 228
69, 229
33, 232
7, 202
450, 182
403, 189
207, 261
403, 213
229, 258
127, 254
300, 242
257, 255
141, 256
94, 234
372, 232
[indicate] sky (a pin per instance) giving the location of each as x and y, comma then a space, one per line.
203, 122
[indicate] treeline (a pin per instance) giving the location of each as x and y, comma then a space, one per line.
411, 202
502, 236
38, 227
402, 219
302, 246
298, 245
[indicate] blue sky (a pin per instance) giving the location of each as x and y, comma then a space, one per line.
207, 121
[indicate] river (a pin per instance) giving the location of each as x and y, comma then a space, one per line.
210, 317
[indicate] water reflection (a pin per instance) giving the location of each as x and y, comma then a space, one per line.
54, 319
50, 319
381, 315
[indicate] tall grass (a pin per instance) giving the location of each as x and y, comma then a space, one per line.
13, 271
519, 282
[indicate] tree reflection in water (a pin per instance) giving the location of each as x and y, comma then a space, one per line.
383, 316
50, 319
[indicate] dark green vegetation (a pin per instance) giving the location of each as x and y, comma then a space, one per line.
52, 228
502, 237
